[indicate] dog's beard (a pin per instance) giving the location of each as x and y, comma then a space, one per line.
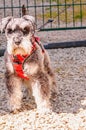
19, 50
23, 49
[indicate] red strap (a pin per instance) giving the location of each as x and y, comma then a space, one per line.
19, 58
19, 71
37, 39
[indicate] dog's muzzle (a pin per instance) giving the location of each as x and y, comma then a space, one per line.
17, 40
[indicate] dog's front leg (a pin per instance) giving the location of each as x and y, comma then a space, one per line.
41, 93
13, 84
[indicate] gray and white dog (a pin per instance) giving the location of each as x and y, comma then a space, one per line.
27, 63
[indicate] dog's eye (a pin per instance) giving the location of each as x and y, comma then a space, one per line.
26, 31
9, 31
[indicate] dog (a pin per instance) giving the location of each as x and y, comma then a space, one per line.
27, 63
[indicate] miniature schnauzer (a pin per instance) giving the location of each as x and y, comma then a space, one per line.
27, 63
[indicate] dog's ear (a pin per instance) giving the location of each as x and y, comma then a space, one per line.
29, 18
32, 20
4, 23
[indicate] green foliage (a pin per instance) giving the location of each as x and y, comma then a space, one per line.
67, 14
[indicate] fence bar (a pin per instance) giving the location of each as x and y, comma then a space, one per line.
50, 12
66, 12
63, 28
20, 7
58, 13
43, 12
4, 8
73, 14
12, 6
81, 12
35, 11
27, 4
40, 6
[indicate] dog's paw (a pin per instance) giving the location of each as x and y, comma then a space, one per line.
13, 108
13, 104
44, 110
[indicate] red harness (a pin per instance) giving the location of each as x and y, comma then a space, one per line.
18, 60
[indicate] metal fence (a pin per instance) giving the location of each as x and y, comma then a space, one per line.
67, 14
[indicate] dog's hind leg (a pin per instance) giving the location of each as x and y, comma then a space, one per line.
15, 94
50, 73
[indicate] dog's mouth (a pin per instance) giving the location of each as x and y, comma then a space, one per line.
19, 51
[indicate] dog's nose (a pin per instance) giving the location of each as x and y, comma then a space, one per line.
17, 40
17, 43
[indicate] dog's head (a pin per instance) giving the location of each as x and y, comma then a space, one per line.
18, 32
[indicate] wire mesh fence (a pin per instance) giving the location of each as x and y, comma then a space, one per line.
67, 14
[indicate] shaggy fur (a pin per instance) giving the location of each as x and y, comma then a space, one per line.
19, 33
